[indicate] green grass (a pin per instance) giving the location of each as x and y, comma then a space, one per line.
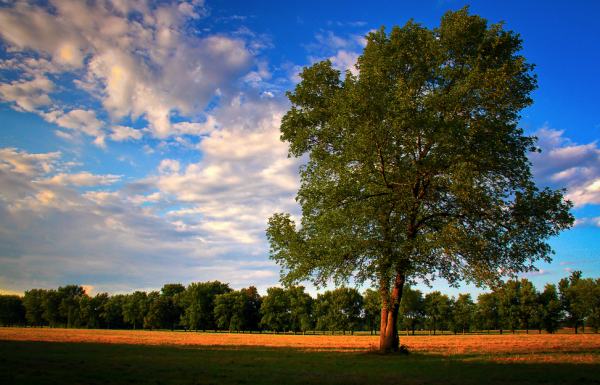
29, 362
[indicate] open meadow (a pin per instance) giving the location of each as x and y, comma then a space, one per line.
76, 356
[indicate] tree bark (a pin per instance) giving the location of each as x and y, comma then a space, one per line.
388, 337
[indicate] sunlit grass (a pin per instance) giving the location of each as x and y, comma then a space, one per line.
105, 356
485, 346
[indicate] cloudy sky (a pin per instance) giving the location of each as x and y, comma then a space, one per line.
139, 140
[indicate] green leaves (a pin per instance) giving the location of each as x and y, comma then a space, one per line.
417, 166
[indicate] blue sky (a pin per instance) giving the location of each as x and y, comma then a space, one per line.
139, 142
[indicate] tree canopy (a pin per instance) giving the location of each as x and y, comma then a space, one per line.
417, 167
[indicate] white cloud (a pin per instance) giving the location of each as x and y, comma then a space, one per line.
189, 216
28, 95
137, 59
28, 26
123, 133
81, 179
243, 178
80, 121
345, 60
50, 231
563, 163
29, 165
64, 135
34, 67
168, 165
195, 128
342, 51
188, 219
327, 40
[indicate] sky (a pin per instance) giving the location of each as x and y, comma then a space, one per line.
139, 140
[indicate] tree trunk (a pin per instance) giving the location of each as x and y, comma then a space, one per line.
388, 338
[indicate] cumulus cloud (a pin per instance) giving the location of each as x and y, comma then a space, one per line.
119, 239
244, 176
123, 133
159, 82
342, 51
189, 218
29, 165
345, 60
564, 163
136, 57
81, 179
28, 95
78, 120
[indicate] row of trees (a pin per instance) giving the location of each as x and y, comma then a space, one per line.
513, 305
215, 306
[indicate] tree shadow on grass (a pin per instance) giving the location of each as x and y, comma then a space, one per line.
33, 362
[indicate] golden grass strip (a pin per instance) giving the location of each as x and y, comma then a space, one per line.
584, 348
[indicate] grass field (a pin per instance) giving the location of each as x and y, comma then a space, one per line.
73, 356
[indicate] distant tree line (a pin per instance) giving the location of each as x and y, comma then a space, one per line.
515, 304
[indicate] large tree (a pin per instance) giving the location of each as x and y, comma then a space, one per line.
69, 306
301, 305
463, 313
275, 310
199, 304
233, 310
172, 293
486, 313
572, 298
112, 311
135, 308
91, 308
417, 167
593, 319
550, 309
530, 310
412, 309
438, 308
33, 301
12, 311
372, 309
